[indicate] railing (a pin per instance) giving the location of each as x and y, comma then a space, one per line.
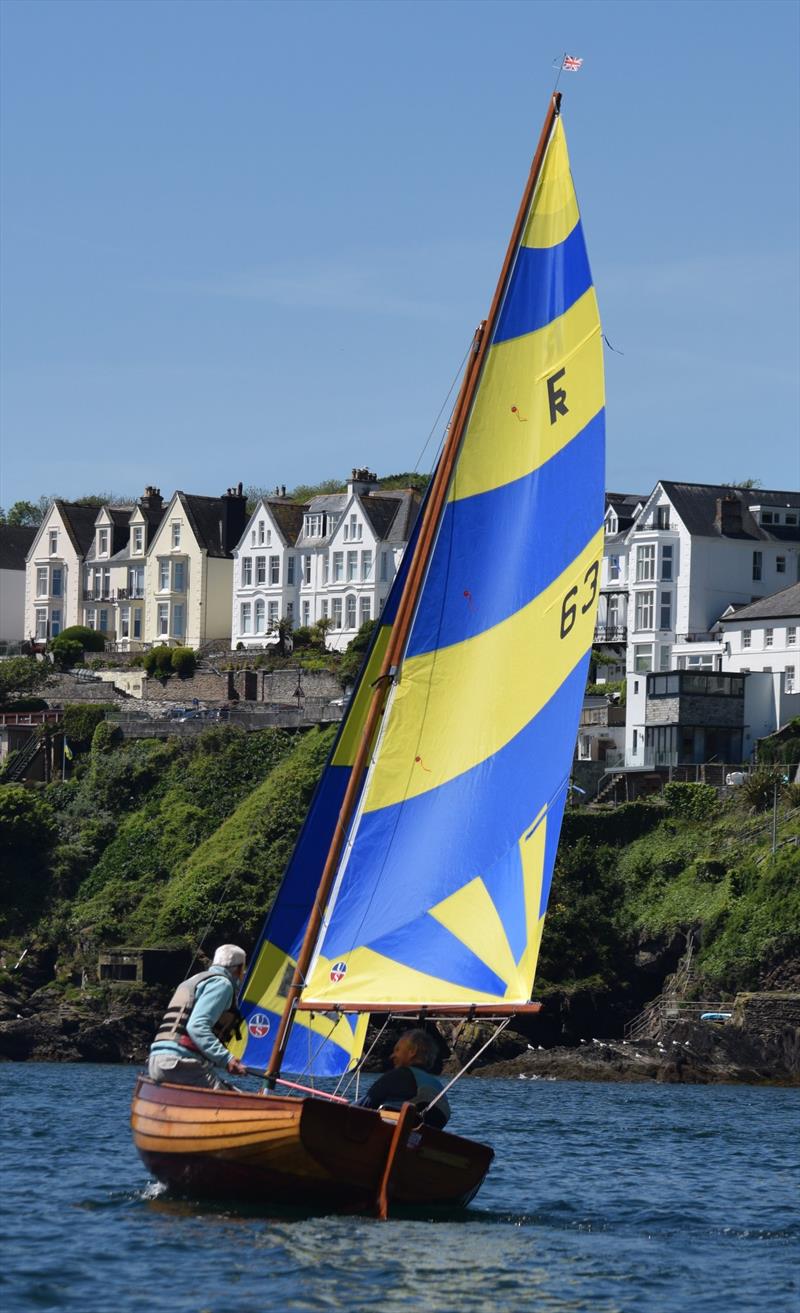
697, 636
17, 767
113, 594
610, 634
655, 1019
29, 717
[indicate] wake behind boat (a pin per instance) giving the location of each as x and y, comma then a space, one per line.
419, 883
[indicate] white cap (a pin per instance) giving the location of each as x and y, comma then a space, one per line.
229, 955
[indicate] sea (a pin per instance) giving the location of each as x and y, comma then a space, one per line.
606, 1198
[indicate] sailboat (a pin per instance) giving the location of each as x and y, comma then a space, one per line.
419, 883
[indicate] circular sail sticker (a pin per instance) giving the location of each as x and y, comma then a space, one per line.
338, 970
258, 1025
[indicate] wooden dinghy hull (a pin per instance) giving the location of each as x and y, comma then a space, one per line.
308, 1152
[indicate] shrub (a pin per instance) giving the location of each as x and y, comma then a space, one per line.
27, 833
183, 661
302, 637
158, 662
104, 738
26, 704
759, 788
67, 652
691, 802
21, 676
80, 722
91, 640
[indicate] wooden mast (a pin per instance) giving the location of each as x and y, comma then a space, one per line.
434, 509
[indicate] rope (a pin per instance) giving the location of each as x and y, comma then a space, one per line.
354, 1074
456, 377
467, 1065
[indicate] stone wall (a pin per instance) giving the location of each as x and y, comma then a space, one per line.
767, 1015
695, 710
280, 685
204, 685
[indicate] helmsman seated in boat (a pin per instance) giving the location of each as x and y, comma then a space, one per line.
411, 1079
188, 1048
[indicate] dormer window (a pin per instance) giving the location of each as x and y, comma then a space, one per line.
612, 522
102, 542
313, 526
138, 539
53, 540
176, 533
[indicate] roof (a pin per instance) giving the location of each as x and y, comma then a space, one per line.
288, 516
15, 543
208, 518
624, 505
79, 521
786, 604
696, 504
399, 529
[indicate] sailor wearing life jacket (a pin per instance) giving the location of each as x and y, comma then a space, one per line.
187, 1049
411, 1081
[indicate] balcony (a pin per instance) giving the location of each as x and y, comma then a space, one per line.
699, 637
113, 594
610, 634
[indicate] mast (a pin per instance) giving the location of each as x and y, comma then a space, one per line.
434, 509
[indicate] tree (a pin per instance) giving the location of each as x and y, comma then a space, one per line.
24, 514
284, 631
21, 676
320, 630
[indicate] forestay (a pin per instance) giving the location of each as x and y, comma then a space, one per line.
442, 887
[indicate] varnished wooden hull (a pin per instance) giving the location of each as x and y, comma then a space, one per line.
307, 1152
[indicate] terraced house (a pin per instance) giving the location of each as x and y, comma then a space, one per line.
54, 570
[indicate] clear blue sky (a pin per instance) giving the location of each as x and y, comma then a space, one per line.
251, 240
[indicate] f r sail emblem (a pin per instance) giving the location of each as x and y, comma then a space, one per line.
556, 397
338, 971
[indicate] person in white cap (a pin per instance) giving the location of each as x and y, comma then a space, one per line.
188, 1048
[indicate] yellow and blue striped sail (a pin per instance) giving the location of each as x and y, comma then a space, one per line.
443, 886
320, 1045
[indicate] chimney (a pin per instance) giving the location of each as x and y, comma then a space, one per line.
728, 519
361, 480
152, 499
234, 518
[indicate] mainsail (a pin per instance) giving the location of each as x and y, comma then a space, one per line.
442, 887
319, 1044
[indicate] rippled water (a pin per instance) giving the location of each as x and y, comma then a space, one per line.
602, 1198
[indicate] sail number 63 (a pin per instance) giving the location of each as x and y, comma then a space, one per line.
569, 607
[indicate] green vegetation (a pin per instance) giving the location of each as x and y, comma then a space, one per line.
21, 676
91, 640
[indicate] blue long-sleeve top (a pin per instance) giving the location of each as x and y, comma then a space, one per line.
214, 996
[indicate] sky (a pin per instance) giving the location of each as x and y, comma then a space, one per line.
251, 241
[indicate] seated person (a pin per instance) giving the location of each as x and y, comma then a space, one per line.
411, 1080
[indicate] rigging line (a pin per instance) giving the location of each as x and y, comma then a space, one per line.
355, 1072
456, 377
312, 1057
506, 1021
207, 930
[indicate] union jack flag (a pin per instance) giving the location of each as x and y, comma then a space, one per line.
571, 64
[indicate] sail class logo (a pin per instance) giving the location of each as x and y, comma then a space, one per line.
258, 1025
338, 970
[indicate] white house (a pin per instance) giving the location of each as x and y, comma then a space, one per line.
333, 558
764, 637
54, 570
15, 543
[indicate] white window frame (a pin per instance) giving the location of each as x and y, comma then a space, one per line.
644, 611
138, 539
260, 618
352, 567
261, 569
290, 571
769, 637
747, 638
275, 569
645, 563
245, 618
247, 572
338, 567
336, 612
178, 620
175, 533
52, 540
162, 619
179, 577
42, 581
163, 575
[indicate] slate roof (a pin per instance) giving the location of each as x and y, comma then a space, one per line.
207, 517
79, 523
15, 543
785, 604
696, 504
624, 504
288, 516
398, 529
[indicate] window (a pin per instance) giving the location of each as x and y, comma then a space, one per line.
665, 611
366, 565
644, 610
245, 617
252, 537
642, 657
613, 568
124, 622
747, 637
635, 741
56, 579
306, 569
290, 571
261, 612
137, 622
53, 541
336, 612
350, 611
780, 565
102, 542
324, 608
41, 623
103, 623
662, 517
789, 674
136, 581
176, 533
91, 618
247, 571
272, 615
55, 629
365, 610
769, 634
163, 576
665, 657
791, 517
179, 577
103, 579
355, 527
767, 517
178, 625
326, 568
306, 612
384, 567
138, 539
757, 564
261, 569
645, 563
313, 526
338, 567
791, 635
41, 581
162, 620
666, 562
290, 612
261, 533
352, 566
274, 569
